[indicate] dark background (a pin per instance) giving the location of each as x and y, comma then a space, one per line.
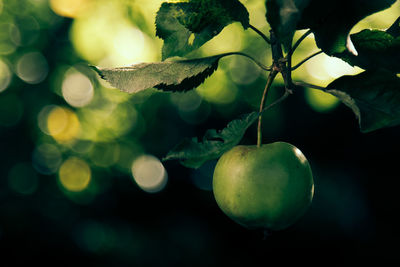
352, 220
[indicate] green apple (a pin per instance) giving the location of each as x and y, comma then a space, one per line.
268, 187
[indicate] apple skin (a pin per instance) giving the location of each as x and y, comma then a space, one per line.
267, 187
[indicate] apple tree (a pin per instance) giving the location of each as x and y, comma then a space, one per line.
264, 189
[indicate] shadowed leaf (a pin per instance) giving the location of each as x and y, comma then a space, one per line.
332, 21
376, 49
186, 26
394, 30
283, 16
374, 96
193, 153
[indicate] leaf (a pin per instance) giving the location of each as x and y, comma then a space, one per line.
186, 26
283, 16
394, 30
376, 49
192, 153
331, 21
374, 96
179, 75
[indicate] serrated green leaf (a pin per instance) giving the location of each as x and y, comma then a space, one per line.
186, 26
192, 153
332, 21
283, 16
376, 49
374, 96
179, 75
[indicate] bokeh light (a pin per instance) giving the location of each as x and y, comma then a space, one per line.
129, 43
108, 121
6, 45
381, 20
230, 39
23, 179
325, 69
81, 146
77, 89
196, 116
62, 124
5, 76
321, 71
104, 154
75, 174
128, 151
335, 67
15, 34
257, 12
43, 116
46, 159
320, 101
32, 67
25, 32
112, 94
191, 107
69, 8
149, 173
243, 71
218, 89
103, 35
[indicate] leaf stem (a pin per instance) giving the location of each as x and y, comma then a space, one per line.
260, 33
262, 66
298, 42
304, 84
279, 100
270, 79
306, 59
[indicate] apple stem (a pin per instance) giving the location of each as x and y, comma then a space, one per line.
270, 79
280, 65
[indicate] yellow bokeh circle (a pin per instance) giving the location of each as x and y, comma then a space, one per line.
69, 8
63, 124
75, 174
320, 101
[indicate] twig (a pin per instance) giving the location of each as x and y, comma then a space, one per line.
306, 59
298, 42
262, 66
260, 33
304, 84
279, 100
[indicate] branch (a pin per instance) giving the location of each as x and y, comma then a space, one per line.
279, 100
306, 59
300, 40
262, 66
260, 33
304, 84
